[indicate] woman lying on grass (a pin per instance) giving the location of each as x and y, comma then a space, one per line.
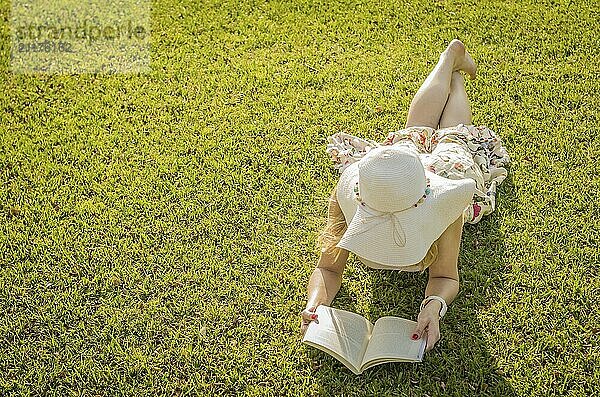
401, 204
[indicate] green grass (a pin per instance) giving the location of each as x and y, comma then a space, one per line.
157, 231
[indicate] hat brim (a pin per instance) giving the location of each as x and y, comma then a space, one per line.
372, 238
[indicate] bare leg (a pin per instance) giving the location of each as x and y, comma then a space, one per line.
428, 104
457, 110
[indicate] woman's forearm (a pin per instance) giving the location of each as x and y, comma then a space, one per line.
322, 287
444, 287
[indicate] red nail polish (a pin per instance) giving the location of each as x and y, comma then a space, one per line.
415, 336
314, 316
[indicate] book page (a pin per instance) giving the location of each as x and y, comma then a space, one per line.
342, 334
390, 341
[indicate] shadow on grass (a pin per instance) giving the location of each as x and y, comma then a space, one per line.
461, 363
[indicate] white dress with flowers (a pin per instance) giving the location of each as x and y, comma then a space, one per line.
463, 151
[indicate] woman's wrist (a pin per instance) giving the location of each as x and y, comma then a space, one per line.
435, 302
314, 301
310, 304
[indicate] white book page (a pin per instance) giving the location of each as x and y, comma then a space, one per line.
391, 341
342, 334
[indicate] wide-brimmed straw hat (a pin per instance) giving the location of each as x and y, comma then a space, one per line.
395, 208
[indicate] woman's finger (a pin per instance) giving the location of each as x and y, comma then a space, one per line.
433, 336
422, 323
303, 327
309, 315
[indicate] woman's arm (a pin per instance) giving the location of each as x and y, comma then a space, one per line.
443, 282
326, 278
324, 284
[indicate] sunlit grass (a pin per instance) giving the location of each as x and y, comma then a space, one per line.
157, 231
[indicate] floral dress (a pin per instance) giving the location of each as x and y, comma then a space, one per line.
463, 151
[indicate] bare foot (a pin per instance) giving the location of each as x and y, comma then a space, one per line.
462, 58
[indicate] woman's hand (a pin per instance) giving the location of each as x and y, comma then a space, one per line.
308, 315
428, 324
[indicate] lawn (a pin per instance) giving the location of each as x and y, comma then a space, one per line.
157, 230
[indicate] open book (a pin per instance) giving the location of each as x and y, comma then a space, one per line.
358, 344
